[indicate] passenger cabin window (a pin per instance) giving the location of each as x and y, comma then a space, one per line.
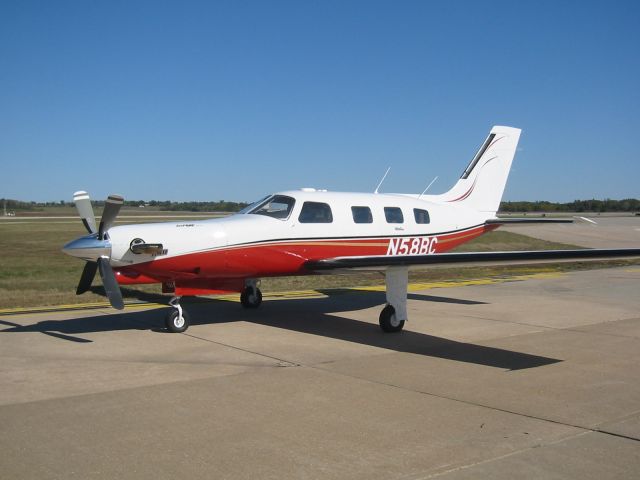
393, 215
278, 206
362, 214
315, 212
422, 216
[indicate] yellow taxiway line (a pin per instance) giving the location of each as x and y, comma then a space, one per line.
413, 287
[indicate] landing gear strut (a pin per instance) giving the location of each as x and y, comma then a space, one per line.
394, 315
251, 296
177, 320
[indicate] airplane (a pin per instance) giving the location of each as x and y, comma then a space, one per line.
309, 231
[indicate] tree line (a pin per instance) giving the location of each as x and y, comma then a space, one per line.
219, 206
607, 205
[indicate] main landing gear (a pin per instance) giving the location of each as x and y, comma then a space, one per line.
251, 296
389, 321
394, 314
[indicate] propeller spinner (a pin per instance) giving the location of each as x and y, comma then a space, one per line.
95, 248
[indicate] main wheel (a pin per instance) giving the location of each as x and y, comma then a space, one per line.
174, 323
388, 320
250, 300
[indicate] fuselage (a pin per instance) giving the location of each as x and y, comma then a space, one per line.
278, 234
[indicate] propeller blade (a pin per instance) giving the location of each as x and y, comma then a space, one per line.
110, 283
87, 276
83, 205
111, 209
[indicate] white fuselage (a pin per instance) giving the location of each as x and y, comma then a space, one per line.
189, 237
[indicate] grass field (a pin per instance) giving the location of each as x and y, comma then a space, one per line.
34, 272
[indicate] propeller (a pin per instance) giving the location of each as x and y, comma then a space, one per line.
95, 248
83, 205
86, 278
109, 214
110, 283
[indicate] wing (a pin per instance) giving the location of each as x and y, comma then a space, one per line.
378, 261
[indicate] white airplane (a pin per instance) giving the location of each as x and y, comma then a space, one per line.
310, 231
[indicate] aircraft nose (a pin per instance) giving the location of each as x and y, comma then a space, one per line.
88, 248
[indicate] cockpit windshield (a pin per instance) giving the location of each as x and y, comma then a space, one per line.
251, 206
276, 206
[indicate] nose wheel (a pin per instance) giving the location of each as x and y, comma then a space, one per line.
177, 320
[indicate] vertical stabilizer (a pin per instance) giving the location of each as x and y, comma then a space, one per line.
482, 183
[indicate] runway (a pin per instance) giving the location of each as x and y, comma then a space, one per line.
533, 377
608, 231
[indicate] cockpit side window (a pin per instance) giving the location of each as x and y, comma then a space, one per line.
315, 212
277, 206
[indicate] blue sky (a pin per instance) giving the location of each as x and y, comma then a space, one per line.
229, 100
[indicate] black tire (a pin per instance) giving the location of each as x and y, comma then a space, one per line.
172, 323
388, 321
248, 300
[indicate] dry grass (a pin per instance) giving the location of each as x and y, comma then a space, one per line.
34, 272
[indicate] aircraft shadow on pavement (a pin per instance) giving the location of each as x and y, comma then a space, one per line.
411, 296
315, 316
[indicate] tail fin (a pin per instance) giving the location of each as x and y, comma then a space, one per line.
482, 183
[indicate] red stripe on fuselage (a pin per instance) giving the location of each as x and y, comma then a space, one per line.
278, 258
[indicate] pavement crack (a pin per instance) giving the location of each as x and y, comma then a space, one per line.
559, 329
489, 460
619, 435
282, 362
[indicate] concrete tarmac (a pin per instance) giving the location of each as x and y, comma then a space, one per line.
609, 231
535, 378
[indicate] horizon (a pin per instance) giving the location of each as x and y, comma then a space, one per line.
51, 203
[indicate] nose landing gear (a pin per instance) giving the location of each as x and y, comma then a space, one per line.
177, 320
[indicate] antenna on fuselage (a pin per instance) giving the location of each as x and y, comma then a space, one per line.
383, 177
428, 187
